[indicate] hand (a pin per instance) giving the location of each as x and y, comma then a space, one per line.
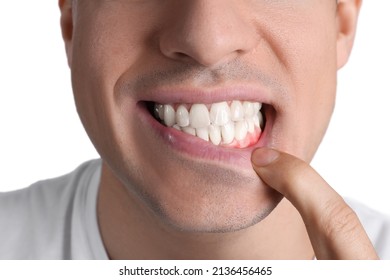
334, 229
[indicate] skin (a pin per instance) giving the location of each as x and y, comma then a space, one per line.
157, 201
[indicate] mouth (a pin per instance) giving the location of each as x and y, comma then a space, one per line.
216, 125
231, 124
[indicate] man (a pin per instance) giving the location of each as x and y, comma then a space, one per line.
206, 115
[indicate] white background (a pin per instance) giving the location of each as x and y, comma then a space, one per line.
281, 269
41, 136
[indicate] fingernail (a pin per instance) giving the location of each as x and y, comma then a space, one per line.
263, 157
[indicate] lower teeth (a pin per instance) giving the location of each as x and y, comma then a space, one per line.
238, 125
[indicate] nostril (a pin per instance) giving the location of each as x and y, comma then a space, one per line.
182, 57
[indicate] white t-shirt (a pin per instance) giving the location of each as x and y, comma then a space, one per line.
53, 219
56, 219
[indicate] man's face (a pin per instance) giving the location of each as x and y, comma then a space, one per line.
130, 59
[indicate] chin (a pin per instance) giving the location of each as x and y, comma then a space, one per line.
209, 202
216, 218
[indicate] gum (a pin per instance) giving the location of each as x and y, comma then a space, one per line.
249, 140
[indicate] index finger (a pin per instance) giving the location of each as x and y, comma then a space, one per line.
333, 227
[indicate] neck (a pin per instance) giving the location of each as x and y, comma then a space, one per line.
136, 233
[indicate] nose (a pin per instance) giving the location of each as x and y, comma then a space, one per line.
208, 32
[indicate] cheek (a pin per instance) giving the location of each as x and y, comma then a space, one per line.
100, 57
308, 58
316, 92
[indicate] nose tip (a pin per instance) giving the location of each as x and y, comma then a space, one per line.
204, 51
207, 33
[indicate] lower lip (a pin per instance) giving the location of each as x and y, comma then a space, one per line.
197, 148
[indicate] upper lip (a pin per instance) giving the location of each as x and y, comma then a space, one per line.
182, 95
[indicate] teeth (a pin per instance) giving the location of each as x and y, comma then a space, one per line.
257, 106
222, 124
159, 111
240, 130
182, 116
251, 124
228, 133
189, 130
237, 111
199, 116
215, 134
202, 133
249, 109
220, 113
259, 119
169, 115
176, 127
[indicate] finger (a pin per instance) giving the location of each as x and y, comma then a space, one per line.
333, 227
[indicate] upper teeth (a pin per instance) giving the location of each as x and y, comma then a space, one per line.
219, 122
